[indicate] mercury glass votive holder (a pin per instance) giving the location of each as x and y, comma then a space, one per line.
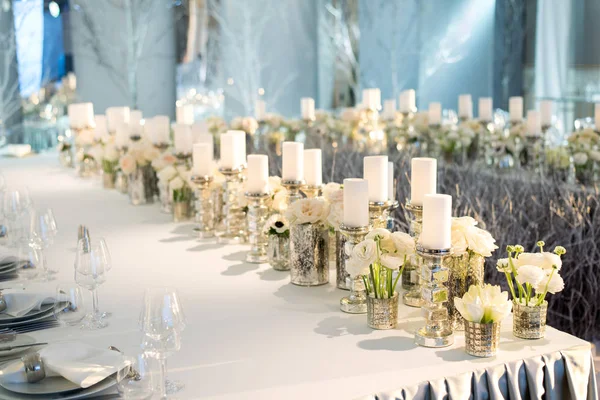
309, 254
205, 215
529, 322
233, 213
346, 239
258, 213
482, 340
411, 275
382, 313
312, 191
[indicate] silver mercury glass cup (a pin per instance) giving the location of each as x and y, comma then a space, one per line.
258, 212
234, 214
411, 275
378, 213
437, 331
204, 206
356, 301
312, 191
346, 239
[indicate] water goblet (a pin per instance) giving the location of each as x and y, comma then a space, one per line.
90, 272
28, 261
41, 235
69, 308
135, 381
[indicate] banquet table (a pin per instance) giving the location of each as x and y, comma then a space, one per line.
251, 334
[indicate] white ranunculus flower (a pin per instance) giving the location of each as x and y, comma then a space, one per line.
580, 158
151, 153
484, 304
531, 274
279, 200
546, 260
404, 244
166, 174
391, 261
362, 256
176, 183
554, 282
111, 153
595, 155
502, 265
480, 241
305, 211
385, 239
336, 215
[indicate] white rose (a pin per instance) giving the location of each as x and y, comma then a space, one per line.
279, 200
463, 222
275, 184
530, 274
305, 211
580, 158
362, 256
480, 241
459, 241
127, 164
151, 153
595, 155
404, 244
176, 184
166, 174
329, 189
336, 215
96, 153
111, 153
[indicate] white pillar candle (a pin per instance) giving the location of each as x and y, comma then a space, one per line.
205, 138
292, 168
122, 135
135, 122
408, 101
199, 128
116, 116
233, 150
101, 129
356, 203
437, 222
87, 115
434, 114
546, 112
307, 108
182, 138
389, 109
160, 129
375, 171
465, 106
258, 174
534, 126
486, 109
184, 114
371, 98
260, 110
597, 116
423, 179
240, 147
515, 108
391, 186
313, 167
202, 157
81, 115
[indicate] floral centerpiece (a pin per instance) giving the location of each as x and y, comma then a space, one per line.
136, 164
164, 169
470, 246
402, 134
453, 142
584, 147
309, 241
278, 231
180, 187
483, 308
376, 259
110, 165
530, 277
559, 163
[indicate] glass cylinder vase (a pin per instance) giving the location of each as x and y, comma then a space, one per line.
121, 183
356, 301
278, 252
257, 215
141, 185
411, 274
382, 313
108, 180
164, 196
482, 340
529, 322
346, 239
181, 211
309, 254
464, 269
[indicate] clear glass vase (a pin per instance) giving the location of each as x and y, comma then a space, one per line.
181, 211
309, 254
382, 313
356, 301
108, 180
529, 322
278, 252
482, 340
141, 186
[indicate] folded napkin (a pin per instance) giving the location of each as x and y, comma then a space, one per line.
16, 150
7, 255
82, 364
20, 302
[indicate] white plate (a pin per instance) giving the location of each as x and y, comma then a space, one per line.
5, 318
26, 391
20, 340
26, 322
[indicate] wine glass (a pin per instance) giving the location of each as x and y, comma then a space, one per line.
162, 321
28, 261
135, 381
90, 272
15, 205
41, 236
69, 308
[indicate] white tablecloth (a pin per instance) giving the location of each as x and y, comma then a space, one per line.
250, 333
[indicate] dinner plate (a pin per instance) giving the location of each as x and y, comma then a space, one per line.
20, 340
54, 388
39, 317
31, 314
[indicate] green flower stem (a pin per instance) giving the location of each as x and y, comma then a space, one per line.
514, 272
542, 296
510, 284
374, 281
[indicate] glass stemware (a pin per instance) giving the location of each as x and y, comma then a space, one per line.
135, 381
42, 231
69, 308
15, 205
162, 321
90, 272
28, 261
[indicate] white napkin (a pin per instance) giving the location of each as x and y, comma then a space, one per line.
6, 255
79, 363
16, 150
20, 302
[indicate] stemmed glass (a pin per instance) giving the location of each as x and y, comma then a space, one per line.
162, 321
69, 308
15, 205
90, 272
135, 381
28, 261
42, 231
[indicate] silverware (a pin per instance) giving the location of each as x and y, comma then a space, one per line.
132, 374
21, 346
34, 367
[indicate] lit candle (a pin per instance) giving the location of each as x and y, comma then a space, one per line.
437, 222
313, 167
260, 110
391, 187
597, 116
101, 129
233, 152
258, 174
203, 159
182, 138
356, 203
160, 129
546, 112
534, 126
486, 109
434, 113
292, 168
184, 114
408, 101
465, 106
423, 179
375, 171
389, 109
307, 108
515, 108
116, 116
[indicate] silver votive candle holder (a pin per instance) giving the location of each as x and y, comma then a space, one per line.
378, 213
411, 275
529, 322
258, 213
346, 238
312, 191
234, 214
204, 205
482, 340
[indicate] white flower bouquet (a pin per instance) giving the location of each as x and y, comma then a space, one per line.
110, 159
377, 258
308, 211
531, 276
246, 124
484, 304
277, 225
334, 194
180, 185
467, 237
